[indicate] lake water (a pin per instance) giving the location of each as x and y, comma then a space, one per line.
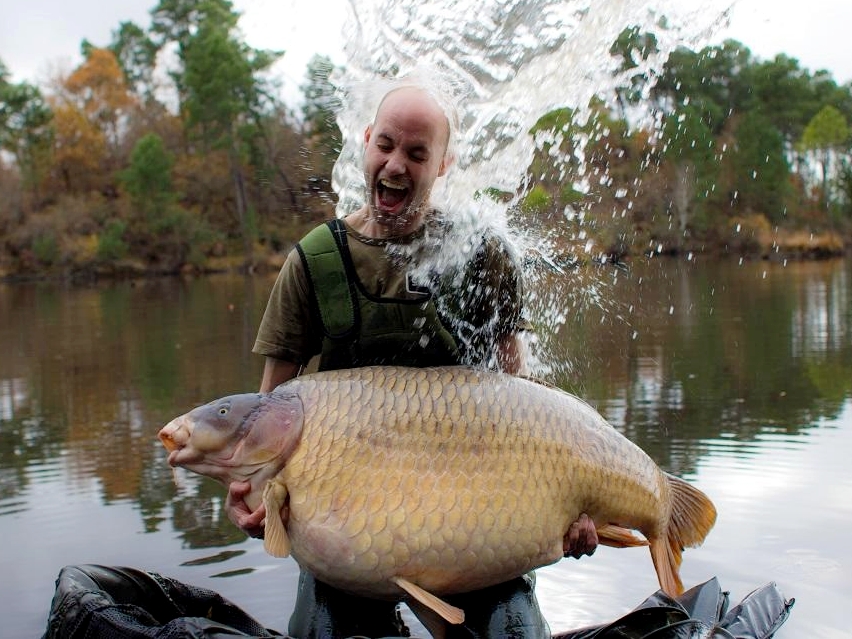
736, 376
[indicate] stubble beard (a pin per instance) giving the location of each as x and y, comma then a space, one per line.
407, 220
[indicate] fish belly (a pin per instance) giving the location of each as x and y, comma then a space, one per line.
451, 478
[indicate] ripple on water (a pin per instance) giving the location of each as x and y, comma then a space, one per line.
219, 557
777, 450
17, 485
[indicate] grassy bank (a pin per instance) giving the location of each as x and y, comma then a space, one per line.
747, 238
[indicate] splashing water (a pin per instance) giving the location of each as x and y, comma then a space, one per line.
501, 65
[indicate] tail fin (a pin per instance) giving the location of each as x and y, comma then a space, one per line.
692, 517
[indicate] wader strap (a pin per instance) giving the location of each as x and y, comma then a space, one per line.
326, 257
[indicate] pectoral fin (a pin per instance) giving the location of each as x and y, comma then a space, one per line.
276, 541
450, 613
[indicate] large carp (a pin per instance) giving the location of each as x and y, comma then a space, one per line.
383, 481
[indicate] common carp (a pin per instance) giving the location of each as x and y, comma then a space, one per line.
383, 481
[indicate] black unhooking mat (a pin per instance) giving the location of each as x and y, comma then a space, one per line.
94, 601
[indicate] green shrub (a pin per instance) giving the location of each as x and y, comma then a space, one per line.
46, 248
111, 244
537, 200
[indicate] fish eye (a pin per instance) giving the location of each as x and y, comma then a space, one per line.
224, 410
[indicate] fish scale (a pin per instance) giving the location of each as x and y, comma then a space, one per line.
437, 481
430, 466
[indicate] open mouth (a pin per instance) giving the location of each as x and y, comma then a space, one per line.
174, 436
168, 441
390, 194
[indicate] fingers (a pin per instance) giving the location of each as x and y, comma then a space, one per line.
581, 538
250, 522
239, 489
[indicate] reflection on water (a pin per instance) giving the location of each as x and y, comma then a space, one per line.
784, 502
737, 376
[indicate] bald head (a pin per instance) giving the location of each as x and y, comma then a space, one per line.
420, 105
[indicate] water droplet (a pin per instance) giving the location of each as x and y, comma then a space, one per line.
500, 67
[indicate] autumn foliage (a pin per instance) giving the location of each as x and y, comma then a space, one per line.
122, 167
117, 169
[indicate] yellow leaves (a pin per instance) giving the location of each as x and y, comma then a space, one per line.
88, 114
79, 149
84, 248
98, 86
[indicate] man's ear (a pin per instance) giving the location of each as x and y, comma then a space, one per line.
446, 162
367, 133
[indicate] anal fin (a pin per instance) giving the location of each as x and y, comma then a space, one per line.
619, 537
446, 611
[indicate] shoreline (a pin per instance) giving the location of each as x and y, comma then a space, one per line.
261, 265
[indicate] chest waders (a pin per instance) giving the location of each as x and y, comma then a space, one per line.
361, 329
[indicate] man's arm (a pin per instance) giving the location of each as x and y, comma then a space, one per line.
511, 354
277, 371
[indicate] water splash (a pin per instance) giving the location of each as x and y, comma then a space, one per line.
504, 64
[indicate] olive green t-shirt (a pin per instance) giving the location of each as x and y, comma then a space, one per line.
481, 305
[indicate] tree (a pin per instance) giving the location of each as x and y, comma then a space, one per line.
79, 153
136, 53
711, 81
844, 184
220, 87
163, 231
219, 84
221, 96
93, 108
824, 135
98, 88
319, 112
690, 147
557, 165
26, 129
634, 49
148, 179
760, 167
789, 96
177, 21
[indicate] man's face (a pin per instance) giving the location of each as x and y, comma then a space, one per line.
405, 149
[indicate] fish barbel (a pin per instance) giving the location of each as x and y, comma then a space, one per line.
384, 480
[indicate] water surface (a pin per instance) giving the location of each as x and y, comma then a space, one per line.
736, 376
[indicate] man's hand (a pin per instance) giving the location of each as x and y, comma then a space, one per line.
251, 523
581, 538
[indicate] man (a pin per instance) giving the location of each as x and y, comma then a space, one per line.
346, 297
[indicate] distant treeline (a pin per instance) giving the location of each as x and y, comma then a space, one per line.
102, 175
744, 156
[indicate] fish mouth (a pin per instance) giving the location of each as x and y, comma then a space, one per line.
174, 436
168, 442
